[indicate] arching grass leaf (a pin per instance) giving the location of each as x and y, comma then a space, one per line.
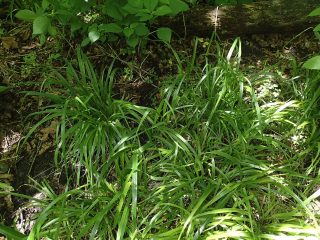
313, 63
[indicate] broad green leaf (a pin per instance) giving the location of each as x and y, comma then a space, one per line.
93, 36
112, 10
134, 25
130, 9
75, 25
141, 30
317, 28
40, 12
3, 89
110, 28
178, 6
315, 12
45, 4
26, 15
85, 42
163, 10
52, 30
164, 34
150, 4
136, 3
132, 41
143, 17
128, 32
312, 63
41, 25
43, 39
64, 17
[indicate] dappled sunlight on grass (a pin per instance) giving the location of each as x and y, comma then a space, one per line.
221, 156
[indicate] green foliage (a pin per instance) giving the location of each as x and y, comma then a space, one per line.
102, 20
314, 63
77, 109
11, 233
30, 63
316, 29
315, 12
164, 34
229, 2
4, 89
42, 22
212, 160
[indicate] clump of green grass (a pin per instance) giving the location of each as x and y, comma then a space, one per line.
210, 161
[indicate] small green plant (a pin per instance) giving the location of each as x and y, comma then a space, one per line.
30, 62
86, 108
41, 20
4, 89
104, 21
314, 62
131, 19
53, 57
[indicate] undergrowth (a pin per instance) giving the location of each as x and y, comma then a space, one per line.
215, 159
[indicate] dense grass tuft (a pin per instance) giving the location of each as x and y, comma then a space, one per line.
215, 159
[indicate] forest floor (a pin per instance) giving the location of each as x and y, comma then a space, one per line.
23, 61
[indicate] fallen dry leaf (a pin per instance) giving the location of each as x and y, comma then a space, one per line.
6, 176
9, 43
31, 46
49, 131
25, 34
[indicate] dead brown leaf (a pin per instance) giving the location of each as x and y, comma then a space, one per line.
6, 176
31, 46
9, 43
49, 131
